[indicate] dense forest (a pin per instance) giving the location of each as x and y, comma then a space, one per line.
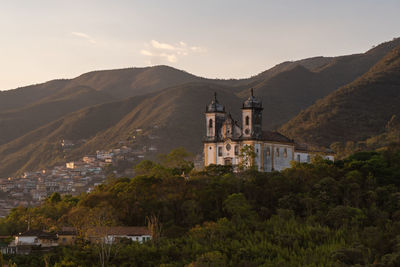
342, 213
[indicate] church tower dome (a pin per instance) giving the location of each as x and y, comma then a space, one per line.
214, 106
252, 102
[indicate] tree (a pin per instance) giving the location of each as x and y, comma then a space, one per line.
1, 260
218, 170
154, 225
97, 228
145, 167
237, 206
247, 158
55, 197
178, 161
213, 258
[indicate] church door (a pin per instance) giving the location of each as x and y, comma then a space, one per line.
228, 161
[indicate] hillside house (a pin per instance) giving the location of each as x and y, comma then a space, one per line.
89, 159
103, 155
31, 240
67, 236
111, 234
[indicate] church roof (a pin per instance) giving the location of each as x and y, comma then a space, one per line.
275, 137
312, 148
215, 106
252, 102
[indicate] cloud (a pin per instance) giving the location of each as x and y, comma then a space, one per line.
197, 49
159, 52
170, 57
162, 46
84, 36
146, 53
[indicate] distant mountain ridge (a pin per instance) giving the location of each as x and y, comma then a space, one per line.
105, 107
355, 111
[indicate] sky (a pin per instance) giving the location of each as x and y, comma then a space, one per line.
42, 40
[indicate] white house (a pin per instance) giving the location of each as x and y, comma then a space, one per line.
31, 240
111, 234
36, 238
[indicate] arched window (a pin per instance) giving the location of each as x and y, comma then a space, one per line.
285, 152
247, 120
277, 152
210, 123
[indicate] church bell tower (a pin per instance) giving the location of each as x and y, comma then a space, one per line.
252, 117
215, 117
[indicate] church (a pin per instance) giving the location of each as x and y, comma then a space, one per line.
225, 139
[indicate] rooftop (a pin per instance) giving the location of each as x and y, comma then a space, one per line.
215, 106
120, 230
275, 137
252, 102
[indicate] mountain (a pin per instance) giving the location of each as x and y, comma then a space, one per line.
176, 111
288, 92
42, 147
389, 139
354, 112
118, 83
104, 108
27, 108
123, 83
174, 115
282, 84
17, 122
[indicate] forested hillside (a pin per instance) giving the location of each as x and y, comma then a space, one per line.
354, 112
344, 213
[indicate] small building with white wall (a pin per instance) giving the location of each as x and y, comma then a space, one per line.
112, 234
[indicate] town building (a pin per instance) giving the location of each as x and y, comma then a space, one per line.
67, 236
31, 240
113, 234
225, 139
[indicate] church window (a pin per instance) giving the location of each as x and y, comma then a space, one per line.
247, 120
210, 147
308, 158
277, 152
210, 123
228, 147
285, 152
268, 151
298, 158
220, 151
236, 150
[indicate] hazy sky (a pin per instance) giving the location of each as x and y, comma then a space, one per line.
42, 40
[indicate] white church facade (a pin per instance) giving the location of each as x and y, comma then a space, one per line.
225, 139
